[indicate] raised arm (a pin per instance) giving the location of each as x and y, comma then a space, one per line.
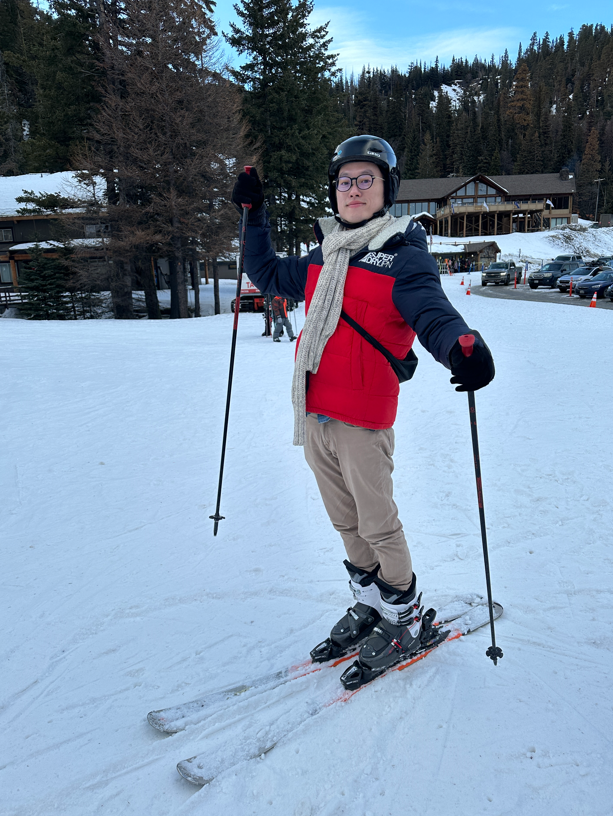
278, 276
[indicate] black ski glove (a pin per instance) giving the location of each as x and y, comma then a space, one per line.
248, 190
474, 372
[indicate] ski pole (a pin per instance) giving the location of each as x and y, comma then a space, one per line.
237, 305
467, 342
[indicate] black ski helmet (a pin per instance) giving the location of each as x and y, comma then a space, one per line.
370, 149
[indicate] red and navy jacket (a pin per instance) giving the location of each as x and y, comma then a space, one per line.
393, 291
279, 307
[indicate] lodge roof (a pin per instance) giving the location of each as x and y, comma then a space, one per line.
479, 246
433, 189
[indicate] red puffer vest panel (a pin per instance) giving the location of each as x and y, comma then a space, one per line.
355, 383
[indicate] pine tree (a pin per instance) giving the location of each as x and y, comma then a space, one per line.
429, 159
472, 151
520, 106
588, 174
289, 110
530, 159
566, 143
361, 104
166, 141
395, 120
17, 85
44, 283
443, 124
62, 58
412, 151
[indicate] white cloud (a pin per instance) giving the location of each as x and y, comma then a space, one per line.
356, 45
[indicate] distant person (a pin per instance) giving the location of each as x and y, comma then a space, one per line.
279, 310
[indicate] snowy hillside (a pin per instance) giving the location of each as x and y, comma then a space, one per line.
116, 599
12, 187
543, 246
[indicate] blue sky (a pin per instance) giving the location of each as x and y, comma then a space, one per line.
399, 32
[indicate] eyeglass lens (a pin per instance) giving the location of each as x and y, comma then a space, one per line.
363, 182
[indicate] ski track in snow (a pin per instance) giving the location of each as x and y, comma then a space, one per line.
116, 599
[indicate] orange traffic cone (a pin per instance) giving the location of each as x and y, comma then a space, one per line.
468, 288
462, 281
593, 300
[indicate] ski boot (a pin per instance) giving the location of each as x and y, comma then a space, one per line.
400, 633
360, 620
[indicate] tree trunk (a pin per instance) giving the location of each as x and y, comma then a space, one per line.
178, 283
182, 286
216, 285
144, 267
196, 282
174, 288
121, 291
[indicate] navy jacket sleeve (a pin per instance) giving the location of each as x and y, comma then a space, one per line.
420, 299
285, 277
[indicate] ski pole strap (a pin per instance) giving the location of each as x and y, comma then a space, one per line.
403, 369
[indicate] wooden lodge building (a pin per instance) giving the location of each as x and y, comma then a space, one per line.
469, 206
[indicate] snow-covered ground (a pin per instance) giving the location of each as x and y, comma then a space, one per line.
116, 599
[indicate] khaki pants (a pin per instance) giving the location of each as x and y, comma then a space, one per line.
353, 467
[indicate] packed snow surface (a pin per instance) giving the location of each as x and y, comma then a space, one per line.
117, 599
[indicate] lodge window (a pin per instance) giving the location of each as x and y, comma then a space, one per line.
480, 200
560, 202
6, 234
417, 207
5, 273
414, 208
476, 188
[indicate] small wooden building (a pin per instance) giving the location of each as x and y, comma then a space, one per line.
473, 254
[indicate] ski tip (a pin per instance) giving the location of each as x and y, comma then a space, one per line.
157, 720
188, 769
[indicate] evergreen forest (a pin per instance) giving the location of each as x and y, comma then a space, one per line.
138, 92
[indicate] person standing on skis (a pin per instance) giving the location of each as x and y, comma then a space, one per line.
373, 271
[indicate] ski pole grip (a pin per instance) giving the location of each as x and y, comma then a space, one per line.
467, 342
248, 171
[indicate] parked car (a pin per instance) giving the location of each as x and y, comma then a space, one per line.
580, 273
500, 272
549, 273
609, 293
599, 284
604, 260
565, 258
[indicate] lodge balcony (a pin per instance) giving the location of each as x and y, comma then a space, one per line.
469, 220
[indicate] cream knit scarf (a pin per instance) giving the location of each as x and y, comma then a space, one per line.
325, 308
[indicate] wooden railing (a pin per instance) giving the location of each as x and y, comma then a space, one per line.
524, 206
10, 297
